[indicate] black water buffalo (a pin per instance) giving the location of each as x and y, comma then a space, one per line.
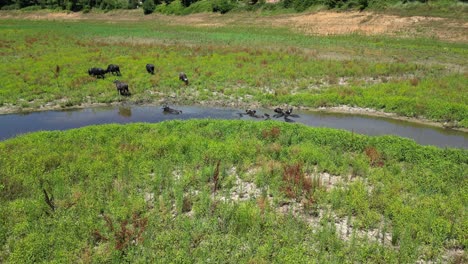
97, 72
122, 87
150, 68
168, 110
114, 69
285, 113
183, 77
279, 112
250, 112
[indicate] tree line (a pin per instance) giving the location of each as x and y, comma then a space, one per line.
193, 6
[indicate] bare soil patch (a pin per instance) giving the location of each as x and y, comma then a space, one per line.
367, 23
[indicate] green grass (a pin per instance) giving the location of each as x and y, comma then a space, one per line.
232, 63
99, 177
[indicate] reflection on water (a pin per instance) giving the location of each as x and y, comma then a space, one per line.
125, 111
14, 124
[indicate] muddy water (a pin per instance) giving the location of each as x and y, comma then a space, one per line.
15, 124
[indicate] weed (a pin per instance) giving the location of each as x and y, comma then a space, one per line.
272, 133
375, 158
125, 235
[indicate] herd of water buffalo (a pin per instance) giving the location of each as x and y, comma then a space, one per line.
122, 87
285, 113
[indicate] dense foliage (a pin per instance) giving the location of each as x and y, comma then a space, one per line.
170, 192
223, 6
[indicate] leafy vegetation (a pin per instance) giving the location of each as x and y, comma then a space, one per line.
148, 7
439, 7
45, 63
229, 191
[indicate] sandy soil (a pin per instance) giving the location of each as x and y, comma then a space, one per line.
367, 23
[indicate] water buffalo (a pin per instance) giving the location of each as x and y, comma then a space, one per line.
122, 87
183, 77
168, 110
250, 112
279, 112
150, 68
114, 69
97, 72
286, 113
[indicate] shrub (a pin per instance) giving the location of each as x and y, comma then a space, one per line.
199, 7
10, 7
148, 7
187, 3
31, 8
223, 6
175, 8
302, 5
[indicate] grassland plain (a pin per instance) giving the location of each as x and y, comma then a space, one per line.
230, 63
229, 192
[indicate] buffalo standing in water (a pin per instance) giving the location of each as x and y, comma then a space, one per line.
168, 110
114, 69
183, 77
122, 87
253, 113
150, 68
285, 113
97, 72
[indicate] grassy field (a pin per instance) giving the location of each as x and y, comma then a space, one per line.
205, 191
229, 192
44, 65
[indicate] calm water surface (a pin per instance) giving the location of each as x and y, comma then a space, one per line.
15, 124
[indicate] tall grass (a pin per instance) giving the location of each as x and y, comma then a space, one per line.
142, 193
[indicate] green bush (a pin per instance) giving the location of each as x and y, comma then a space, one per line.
302, 5
10, 7
31, 8
148, 7
187, 3
173, 8
223, 6
202, 6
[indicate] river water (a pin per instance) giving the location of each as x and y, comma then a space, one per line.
15, 124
